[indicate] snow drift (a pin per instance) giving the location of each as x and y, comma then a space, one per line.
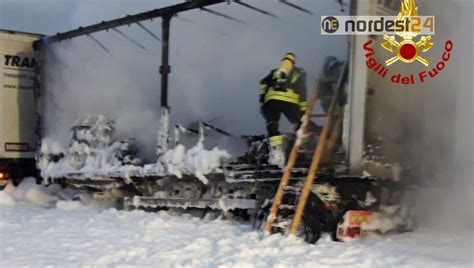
34, 236
29, 191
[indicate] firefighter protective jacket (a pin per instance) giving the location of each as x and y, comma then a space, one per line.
292, 91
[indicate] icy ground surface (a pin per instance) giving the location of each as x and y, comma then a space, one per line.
67, 233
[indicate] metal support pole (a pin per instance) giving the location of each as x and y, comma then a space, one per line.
165, 68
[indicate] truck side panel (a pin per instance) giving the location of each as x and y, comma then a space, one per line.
18, 112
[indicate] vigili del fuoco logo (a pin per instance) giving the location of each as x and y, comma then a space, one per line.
408, 47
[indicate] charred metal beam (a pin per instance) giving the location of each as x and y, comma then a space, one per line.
187, 129
99, 43
129, 39
127, 20
255, 8
165, 68
296, 7
223, 15
216, 129
148, 31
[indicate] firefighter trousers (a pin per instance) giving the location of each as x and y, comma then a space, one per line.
272, 111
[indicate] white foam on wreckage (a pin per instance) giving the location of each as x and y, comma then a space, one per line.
94, 152
196, 161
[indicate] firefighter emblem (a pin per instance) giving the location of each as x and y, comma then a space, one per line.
408, 49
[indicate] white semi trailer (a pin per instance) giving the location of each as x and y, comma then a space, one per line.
18, 114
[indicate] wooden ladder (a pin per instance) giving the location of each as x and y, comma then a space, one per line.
322, 153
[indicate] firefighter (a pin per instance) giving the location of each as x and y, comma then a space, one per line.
283, 91
329, 77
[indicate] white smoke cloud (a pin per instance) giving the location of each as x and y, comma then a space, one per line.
448, 124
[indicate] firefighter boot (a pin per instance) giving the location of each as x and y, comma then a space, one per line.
277, 151
277, 156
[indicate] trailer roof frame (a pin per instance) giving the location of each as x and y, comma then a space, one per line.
168, 11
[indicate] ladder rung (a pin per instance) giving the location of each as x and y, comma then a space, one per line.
293, 188
282, 225
305, 152
287, 207
318, 115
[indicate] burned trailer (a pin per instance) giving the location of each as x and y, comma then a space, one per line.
342, 199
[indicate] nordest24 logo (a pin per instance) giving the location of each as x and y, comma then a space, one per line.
407, 39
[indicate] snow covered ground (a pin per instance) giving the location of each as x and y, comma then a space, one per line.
38, 231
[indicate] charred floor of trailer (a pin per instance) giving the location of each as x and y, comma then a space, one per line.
245, 190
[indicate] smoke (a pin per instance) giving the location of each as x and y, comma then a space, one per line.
448, 126
216, 67
80, 83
